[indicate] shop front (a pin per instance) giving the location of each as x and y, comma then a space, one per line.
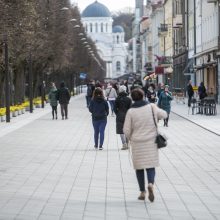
207, 72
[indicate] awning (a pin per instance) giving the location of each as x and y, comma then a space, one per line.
205, 52
205, 65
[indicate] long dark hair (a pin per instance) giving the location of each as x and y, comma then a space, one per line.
98, 93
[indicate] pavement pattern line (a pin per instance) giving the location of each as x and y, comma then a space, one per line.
49, 170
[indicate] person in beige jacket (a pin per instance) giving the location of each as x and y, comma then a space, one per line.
140, 130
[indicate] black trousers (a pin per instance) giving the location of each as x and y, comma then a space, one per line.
64, 110
141, 178
54, 111
189, 101
166, 120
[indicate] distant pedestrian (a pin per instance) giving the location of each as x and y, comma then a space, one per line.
127, 88
137, 84
151, 94
164, 103
53, 100
160, 89
190, 92
90, 90
64, 98
122, 104
100, 110
202, 91
140, 130
111, 96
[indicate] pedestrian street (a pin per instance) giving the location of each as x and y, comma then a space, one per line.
50, 170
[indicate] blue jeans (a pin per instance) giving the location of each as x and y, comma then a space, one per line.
112, 105
99, 131
141, 179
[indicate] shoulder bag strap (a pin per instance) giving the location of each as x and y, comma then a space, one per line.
154, 118
109, 92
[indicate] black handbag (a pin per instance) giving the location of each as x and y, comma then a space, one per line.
161, 139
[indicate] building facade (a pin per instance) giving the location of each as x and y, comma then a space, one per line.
110, 41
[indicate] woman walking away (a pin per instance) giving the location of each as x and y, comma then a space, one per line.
140, 130
122, 104
111, 96
53, 99
100, 110
165, 103
64, 98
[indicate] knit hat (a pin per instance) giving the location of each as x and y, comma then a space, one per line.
122, 88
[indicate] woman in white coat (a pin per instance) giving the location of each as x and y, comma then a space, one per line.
140, 130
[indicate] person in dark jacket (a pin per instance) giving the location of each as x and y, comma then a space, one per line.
63, 96
100, 110
202, 91
151, 94
126, 85
190, 92
122, 104
164, 103
53, 99
90, 90
137, 84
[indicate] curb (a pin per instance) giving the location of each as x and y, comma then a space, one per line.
196, 123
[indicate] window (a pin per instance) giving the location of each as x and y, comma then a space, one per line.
106, 27
91, 28
86, 27
102, 27
117, 39
118, 66
96, 27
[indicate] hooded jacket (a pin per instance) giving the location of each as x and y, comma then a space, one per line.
53, 97
63, 94
99, 109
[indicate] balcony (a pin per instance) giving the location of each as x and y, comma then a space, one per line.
212, 1
178, 21
162, 30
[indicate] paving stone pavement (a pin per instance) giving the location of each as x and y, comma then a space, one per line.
209, 122
49, 170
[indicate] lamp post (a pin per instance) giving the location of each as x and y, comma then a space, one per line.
7, 83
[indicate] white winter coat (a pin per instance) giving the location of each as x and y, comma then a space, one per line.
140, 130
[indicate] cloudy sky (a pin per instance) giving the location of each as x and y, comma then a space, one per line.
113, 5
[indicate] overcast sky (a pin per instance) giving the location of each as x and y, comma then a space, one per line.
112, 5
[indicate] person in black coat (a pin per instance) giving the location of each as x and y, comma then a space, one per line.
100, 110
190, 92
122, 104
151, 94
202, 91
63, 95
